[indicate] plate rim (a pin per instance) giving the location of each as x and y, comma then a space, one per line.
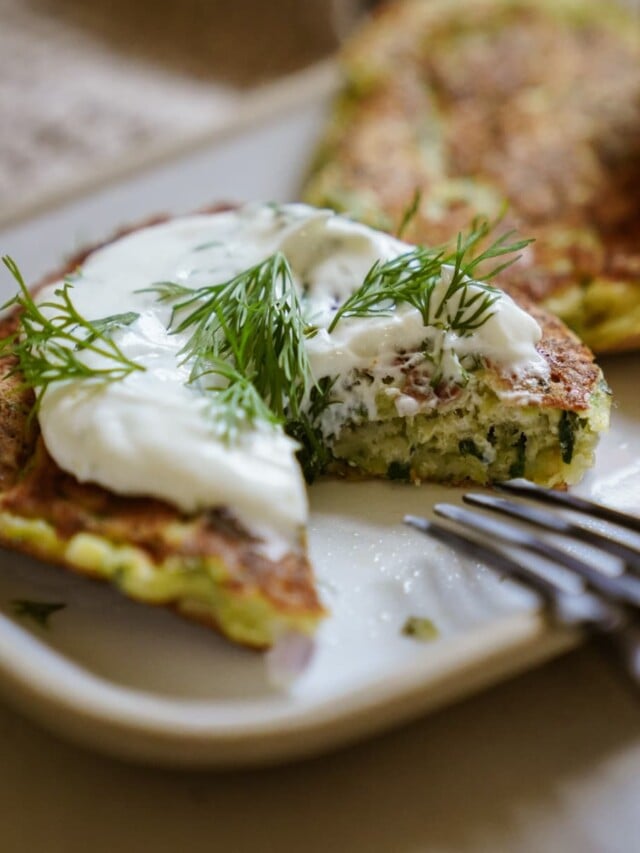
71, 701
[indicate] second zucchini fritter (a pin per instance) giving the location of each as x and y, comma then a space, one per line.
536, 102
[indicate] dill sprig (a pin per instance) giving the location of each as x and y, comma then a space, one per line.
248, 332
52, 336
410, 213
236, 404
412, 278
314, 454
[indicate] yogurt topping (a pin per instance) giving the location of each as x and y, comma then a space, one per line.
149, 434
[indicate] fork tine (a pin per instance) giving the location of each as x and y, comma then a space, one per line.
486, 554
556, 524
569, 608
551, 496
624, 588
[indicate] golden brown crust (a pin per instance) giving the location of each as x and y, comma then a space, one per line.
46, 492
534, 102
573, 374
16, 430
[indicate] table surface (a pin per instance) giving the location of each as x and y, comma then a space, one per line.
547, 762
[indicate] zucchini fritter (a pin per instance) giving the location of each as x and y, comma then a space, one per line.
495, 427
536, 102
205, 565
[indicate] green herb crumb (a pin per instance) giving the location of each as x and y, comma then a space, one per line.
468, 447
420, 628
518, 465
38, 611
398, 471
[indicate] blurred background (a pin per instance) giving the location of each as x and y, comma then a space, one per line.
93, 89
88, 86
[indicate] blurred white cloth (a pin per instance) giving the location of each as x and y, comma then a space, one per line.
86, 88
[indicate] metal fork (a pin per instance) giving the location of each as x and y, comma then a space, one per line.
605, 603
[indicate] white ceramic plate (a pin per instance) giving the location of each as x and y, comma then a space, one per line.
141, 683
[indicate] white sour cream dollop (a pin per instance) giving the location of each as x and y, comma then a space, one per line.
149, 433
